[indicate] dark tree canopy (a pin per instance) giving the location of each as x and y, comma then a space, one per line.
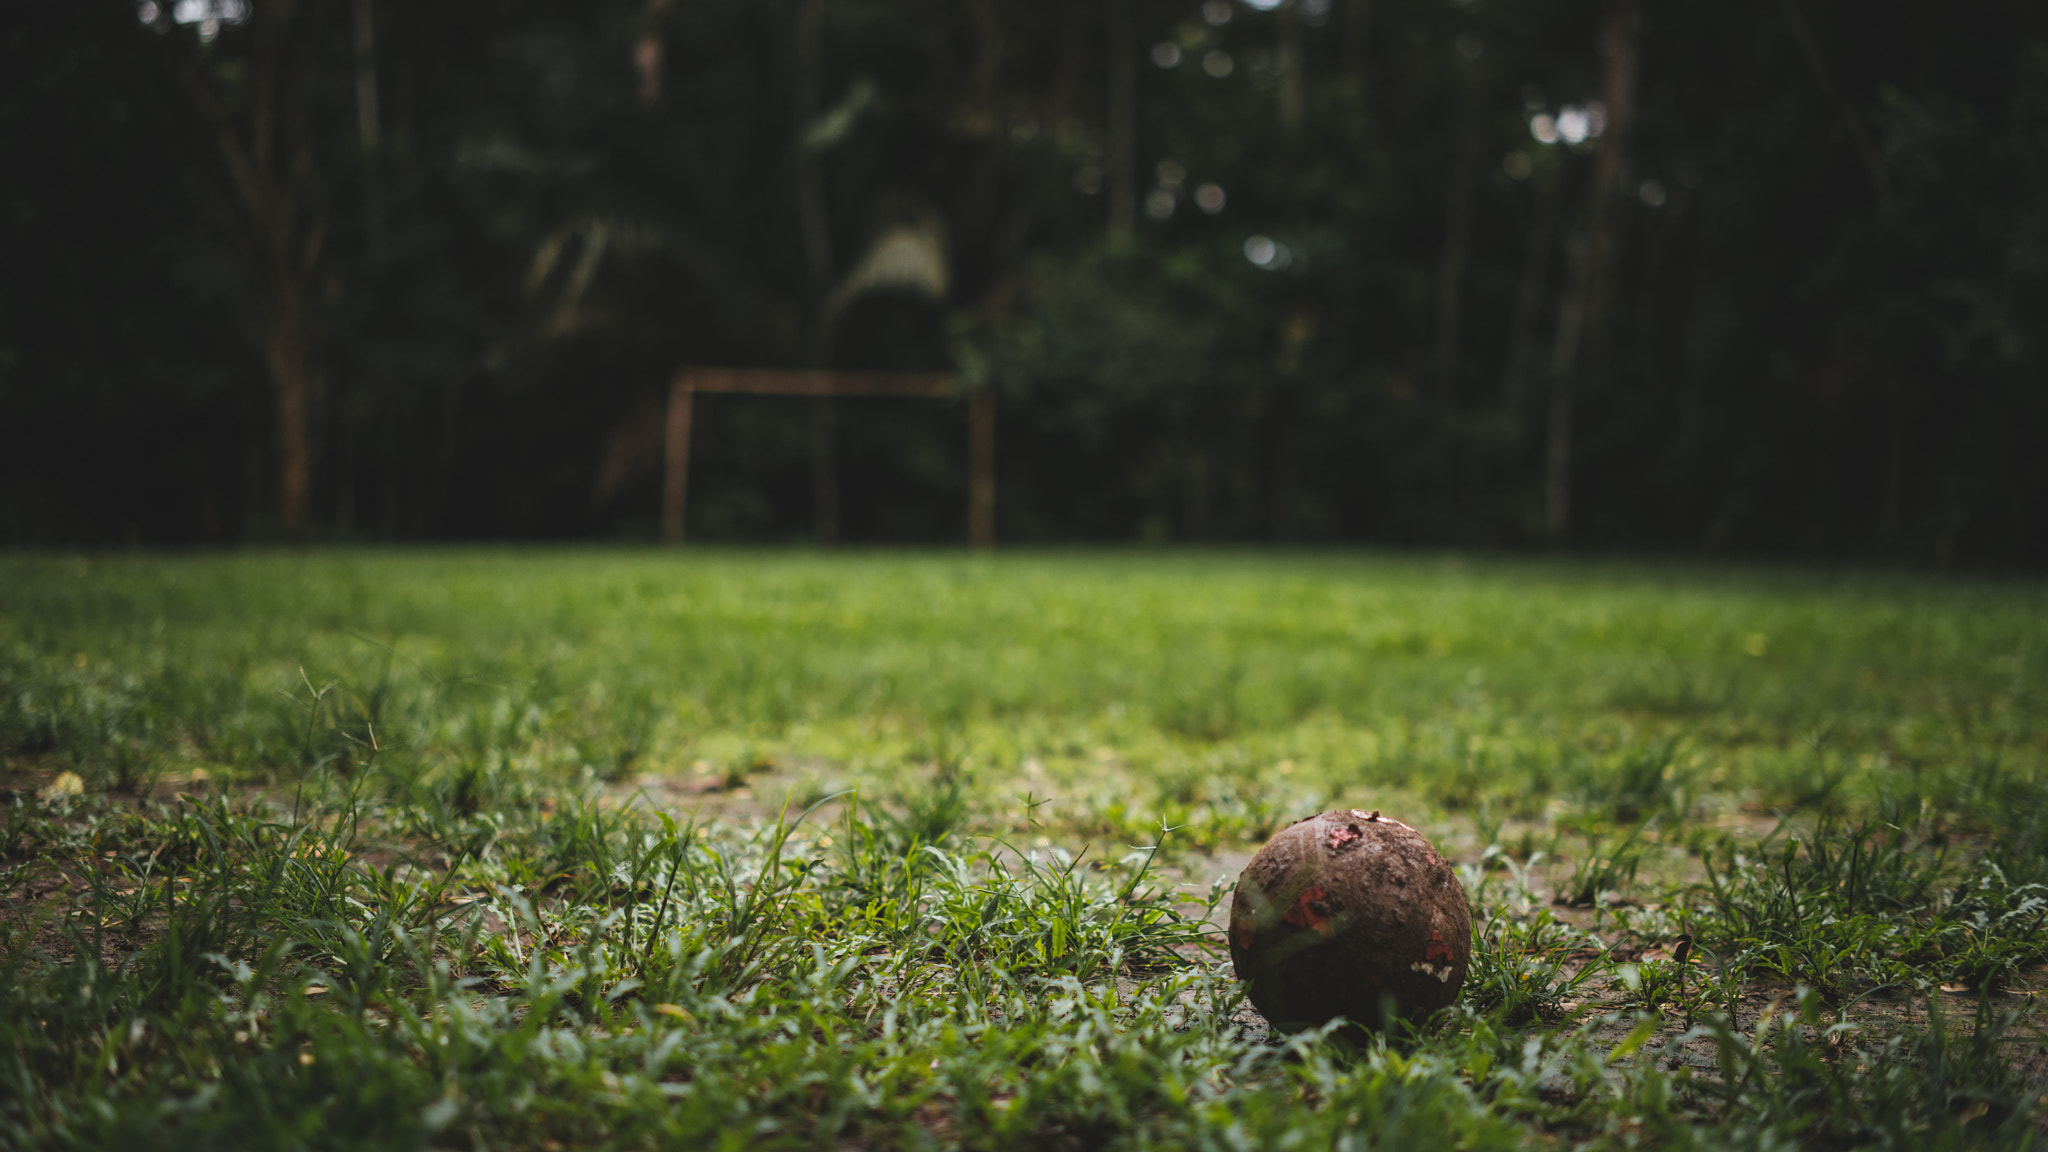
1768, 277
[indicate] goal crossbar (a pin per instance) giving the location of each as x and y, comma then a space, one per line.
981, 427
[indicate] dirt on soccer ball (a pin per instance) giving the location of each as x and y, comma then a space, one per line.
1349, 914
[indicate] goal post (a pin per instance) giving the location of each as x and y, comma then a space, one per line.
981, 427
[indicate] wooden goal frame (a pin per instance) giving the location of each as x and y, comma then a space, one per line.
682, 393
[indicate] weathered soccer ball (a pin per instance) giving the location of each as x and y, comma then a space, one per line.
1349, 914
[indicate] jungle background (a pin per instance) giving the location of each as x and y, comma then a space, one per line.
1764, 277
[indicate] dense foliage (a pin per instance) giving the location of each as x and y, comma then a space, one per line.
397, 271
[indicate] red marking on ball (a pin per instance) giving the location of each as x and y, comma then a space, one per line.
1305, 914
1436, 949
1341, 836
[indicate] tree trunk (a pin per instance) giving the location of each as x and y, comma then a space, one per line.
442, 480
369, 144
369, 127
810, 189
981, 468
1897, 428
1823, 78
649, 51
1289, 58
1122, 140
1514, 382
1618, 55
277, 147
985, 237
1451, 271
810, 182
988, 56
1357, 68
269, 166
1587, 304
1297, 334
1564, 363
825, 470
1277, 434
285, 357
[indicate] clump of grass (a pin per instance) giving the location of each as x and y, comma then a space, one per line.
1800, 1075
1873, 904
1604, 869
267, 949
1529, 969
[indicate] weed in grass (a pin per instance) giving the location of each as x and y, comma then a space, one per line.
1637, 784
1653, 985
1867, 903
1604, 869
1800, 1075
1991, 929
1529, 968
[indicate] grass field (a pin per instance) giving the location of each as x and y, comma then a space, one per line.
567, 849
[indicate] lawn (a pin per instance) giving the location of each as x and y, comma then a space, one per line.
568, 849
